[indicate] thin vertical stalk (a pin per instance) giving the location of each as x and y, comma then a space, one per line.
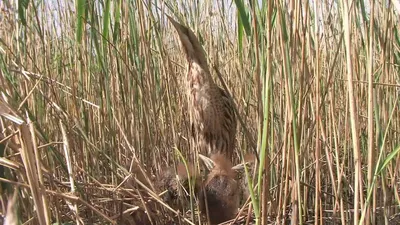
318, 217
67, 154
80, 8
347, 24
371, 147
291, 100
265, 155
256, 77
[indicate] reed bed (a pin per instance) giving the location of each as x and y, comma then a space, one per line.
95, 87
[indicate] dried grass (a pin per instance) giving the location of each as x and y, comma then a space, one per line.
93, 109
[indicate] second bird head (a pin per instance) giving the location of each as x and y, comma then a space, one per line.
220, 195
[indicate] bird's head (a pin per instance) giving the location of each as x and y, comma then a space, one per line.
190, 44
220, 193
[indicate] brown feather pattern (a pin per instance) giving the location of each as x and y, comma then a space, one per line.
211, 110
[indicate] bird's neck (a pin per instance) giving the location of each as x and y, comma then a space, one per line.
198, 75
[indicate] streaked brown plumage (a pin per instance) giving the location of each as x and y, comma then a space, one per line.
177, 184
220, 193
211, 110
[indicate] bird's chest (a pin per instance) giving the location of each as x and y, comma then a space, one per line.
199, 98
199, 91
204, 107
203, 99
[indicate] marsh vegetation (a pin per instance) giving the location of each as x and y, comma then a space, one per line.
95, 90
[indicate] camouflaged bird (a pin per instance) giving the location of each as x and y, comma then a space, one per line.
176, 183
211, 109
219, 196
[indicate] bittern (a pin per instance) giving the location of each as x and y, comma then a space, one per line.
211, 111
220, 195
177, 184
238, 170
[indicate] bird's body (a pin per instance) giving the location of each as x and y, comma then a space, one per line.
176, 182
220, 195
211, 110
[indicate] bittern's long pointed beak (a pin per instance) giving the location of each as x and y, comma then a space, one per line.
186, 36
190, 44
179, 27
183, 32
